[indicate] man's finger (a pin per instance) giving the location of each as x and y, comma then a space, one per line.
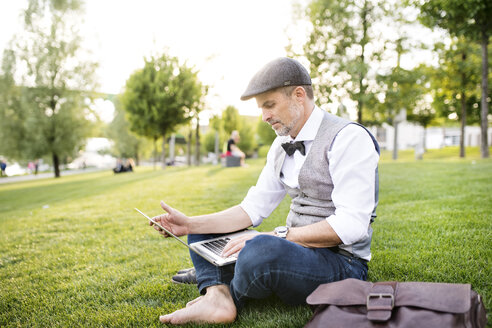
166, 207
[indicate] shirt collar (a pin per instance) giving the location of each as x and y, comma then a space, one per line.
310, 128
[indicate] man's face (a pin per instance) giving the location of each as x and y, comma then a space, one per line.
282, 112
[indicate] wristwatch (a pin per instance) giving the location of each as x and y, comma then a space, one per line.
281, 231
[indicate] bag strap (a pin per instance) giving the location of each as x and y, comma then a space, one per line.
381, 300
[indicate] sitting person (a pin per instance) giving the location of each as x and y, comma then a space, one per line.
233, 149
128, 167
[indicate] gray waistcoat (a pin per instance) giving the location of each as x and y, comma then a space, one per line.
312, 202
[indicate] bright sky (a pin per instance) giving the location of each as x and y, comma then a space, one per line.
227, 41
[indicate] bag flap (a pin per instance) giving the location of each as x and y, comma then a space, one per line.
454, 298
345, 292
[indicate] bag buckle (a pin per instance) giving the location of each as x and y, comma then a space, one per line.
383, 306
379, 306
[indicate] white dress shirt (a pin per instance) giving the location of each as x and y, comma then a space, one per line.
353, 161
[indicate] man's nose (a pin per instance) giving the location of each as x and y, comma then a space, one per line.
265, 115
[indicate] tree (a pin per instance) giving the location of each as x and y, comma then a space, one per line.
12, 129
161, 96
341, 49
51, 106
401, 92
126, 143
231, 120
247, 133
470, 18
456, 82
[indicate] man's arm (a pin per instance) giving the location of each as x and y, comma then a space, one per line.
229, 220
315, 235
232, 219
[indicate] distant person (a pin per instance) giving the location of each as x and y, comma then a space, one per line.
30, 167
119, 166
233, 149
36, 166
129, 165
3, 166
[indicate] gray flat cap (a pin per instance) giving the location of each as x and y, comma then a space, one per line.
280, 72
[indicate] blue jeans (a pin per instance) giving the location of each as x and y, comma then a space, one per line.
271, 265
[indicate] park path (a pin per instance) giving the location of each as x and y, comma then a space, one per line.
28, 177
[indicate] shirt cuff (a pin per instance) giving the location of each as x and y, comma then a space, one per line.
253, 216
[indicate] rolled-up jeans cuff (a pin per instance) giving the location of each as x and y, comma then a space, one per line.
208, 274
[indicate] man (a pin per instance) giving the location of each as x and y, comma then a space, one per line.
329, 168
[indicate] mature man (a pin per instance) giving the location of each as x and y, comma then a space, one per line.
329, 168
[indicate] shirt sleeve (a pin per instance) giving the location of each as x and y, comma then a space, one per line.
263, 198
353, 161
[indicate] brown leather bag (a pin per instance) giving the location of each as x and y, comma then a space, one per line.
355, 303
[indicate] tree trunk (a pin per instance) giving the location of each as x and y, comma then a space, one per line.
172, 148
364, 14
395, 142
163, 157
484, 144
188, 148
56, 165
137, 158
216, 148
424, 142
463, 124
197, 142
155, 152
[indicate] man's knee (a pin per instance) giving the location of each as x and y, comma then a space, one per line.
259, 253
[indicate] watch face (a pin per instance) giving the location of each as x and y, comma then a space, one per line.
281, 231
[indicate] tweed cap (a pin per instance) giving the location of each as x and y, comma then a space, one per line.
280, 72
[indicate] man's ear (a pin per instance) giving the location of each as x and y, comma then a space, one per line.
299, 94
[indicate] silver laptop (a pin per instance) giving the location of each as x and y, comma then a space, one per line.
209, 249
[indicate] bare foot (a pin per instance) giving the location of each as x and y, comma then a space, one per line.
216, 306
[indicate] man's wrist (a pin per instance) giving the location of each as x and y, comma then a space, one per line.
281, 231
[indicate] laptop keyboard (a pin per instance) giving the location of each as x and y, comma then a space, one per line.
216, 246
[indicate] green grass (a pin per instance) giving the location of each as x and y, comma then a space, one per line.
87, 259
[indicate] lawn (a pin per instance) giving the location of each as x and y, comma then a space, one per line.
73, 252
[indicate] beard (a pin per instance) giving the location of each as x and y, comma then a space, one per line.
285, 128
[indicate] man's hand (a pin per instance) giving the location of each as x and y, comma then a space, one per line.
173, 220
235, 245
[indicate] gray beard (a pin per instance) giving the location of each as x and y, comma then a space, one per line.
285, 129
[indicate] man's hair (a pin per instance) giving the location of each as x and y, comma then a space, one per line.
288, 90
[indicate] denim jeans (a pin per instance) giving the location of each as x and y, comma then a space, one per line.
272, 265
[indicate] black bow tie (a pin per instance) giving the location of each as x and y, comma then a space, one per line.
290, 148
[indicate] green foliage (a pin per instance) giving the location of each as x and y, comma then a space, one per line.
402, 89
110, 269
231, 120
470, 18
266, 134
457, 76
342, 47
126, 143
208, 142
247, 143
47, 114
161, 96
